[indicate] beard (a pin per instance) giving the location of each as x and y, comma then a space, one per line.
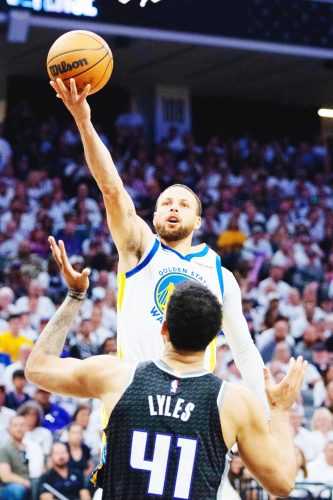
62, 465
171, 235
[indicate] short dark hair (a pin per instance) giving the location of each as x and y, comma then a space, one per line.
18, 374
31, 406
193, 316
197, 199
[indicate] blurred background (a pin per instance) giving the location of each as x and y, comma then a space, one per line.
221, 96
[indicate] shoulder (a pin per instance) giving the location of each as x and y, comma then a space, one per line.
239, 402
230, 282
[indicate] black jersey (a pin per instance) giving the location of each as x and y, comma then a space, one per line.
164, 437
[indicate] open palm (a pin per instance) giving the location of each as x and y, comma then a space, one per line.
75, 280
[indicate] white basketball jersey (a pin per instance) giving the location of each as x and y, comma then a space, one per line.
144, 291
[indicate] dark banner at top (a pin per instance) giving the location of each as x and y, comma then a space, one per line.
292, 22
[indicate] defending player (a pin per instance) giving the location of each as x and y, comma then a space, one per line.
171, 422
156, 264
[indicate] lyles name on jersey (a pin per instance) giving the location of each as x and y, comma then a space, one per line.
168, 406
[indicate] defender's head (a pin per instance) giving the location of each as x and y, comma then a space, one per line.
193, 317
177, 213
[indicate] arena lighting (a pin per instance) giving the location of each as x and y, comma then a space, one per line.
325, 112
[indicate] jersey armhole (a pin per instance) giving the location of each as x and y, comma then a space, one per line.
131, 376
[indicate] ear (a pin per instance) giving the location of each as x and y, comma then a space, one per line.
154, 219
197, 223
165, 330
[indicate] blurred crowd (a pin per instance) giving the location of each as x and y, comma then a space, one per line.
267, 210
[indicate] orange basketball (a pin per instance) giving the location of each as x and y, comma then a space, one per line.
82, 55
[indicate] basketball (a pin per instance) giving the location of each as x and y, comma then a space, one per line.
81, 55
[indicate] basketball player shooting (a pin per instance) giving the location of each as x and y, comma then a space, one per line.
150, 265
170, 421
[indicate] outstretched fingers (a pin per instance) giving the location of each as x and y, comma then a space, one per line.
55, 252
64, 257
296, 372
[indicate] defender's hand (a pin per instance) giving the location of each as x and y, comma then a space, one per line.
76, 103
283, 395
75, 280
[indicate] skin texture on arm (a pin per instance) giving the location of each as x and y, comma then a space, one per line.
266, 448
8, 476
129, 232
245, 353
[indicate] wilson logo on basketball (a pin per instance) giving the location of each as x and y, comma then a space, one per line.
64, 67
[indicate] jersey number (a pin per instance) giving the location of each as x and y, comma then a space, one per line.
159, 464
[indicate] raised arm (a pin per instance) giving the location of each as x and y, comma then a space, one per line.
95, 377
266, 448
129, 232
245, 353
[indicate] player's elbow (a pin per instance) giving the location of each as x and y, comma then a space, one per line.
34, 369
112, 193
282, 486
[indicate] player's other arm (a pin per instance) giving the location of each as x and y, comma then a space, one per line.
266, 448
236, 330
130, 233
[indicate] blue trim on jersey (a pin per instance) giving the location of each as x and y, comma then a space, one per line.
146, 261
188, 257
219, 273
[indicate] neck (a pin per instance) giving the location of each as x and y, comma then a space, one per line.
183, 362
182, 246
62, 471
18, 443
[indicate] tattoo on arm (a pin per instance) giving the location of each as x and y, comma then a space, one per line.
53, 337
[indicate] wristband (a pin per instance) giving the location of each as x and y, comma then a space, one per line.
74, 294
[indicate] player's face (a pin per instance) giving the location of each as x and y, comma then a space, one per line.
176, 214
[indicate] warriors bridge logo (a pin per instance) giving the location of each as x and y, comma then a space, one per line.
163, 290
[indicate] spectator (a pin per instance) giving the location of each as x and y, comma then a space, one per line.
15, 279
306, 345
232, 240
62, 477
302, 437
321, 468
322, 428
79, 453
5, 415
109, 346
268, 340
91, 433
98, 330
55, 417
18, 396
292, 308
319, 392
6, 151
14, 463
257, 243
85, 343
71, 236
6, 302
12, 340
274, 282
37, 303
33, 415
328, 402
24, 353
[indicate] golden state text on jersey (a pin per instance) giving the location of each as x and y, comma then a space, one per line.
144, 291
